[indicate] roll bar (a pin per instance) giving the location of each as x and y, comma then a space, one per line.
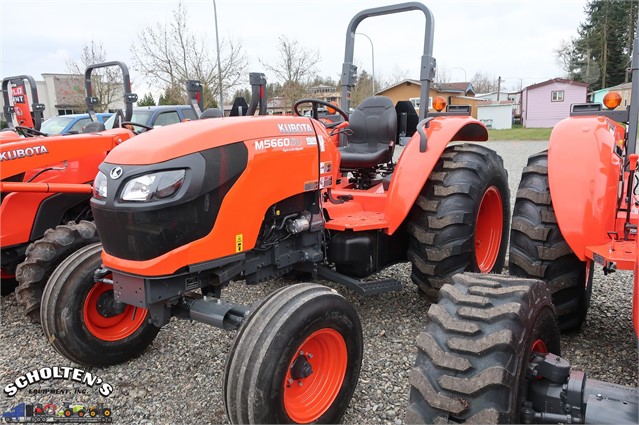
36, 107
258, 93
427, 73
633, 120
129, 98
195, 91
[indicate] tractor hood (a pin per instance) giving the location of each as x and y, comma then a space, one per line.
174, 141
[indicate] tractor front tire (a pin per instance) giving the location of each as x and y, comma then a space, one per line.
81, 320
296, 359
460, 219
538, 249
472, 355
43, 256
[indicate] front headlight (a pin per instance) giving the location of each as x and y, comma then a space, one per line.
100, 186
148, 187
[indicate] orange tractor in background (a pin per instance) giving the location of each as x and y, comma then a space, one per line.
45, 190
16, 104
184, 210
490, 352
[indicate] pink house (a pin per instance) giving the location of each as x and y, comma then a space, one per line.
545, 104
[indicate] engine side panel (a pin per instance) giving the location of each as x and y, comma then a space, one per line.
583, 173
280, 165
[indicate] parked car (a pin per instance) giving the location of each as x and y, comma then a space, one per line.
70, 124
158, 116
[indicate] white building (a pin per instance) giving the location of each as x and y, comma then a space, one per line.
63, 94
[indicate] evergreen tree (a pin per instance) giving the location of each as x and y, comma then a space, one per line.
600, 54
147, 100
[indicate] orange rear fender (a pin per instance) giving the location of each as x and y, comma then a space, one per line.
414, 167
583, 174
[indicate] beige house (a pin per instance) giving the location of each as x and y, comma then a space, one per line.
460, 93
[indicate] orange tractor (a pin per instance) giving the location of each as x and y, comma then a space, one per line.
45, 191
16, 104
490, 352
183, 210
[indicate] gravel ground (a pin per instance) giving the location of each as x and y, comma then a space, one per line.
179, 378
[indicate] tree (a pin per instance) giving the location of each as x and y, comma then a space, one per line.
245, 93
483, 83
600, 54
147, 100
363, 88
106, 83
169, 54
295, 69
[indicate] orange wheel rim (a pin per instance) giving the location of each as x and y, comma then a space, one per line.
539, 346
113, 328
488, 229
308, 398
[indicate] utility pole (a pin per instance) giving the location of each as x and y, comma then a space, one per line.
219, 67
498, 87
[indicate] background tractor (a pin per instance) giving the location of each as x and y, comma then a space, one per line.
45, 191
16, 104
490, 352
258, 197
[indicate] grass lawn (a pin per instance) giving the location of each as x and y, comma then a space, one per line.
520, 134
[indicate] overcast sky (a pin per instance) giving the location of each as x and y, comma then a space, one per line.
512, 39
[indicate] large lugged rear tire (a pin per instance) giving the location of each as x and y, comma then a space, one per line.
296, 359
80, 320
43, 256
473, 353
538, 249
459, 221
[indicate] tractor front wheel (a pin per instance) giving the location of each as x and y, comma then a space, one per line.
82, 320
459, 221
296, 359
43, 256
472, 355
538, 249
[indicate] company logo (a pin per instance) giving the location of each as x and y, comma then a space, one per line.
294, 128
116, 173
58, 373
23, 153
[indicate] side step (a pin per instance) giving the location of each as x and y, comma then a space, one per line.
363, 288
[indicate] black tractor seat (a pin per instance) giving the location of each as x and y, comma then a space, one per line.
374, 127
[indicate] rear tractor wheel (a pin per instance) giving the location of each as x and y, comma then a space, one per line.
538, 249
82, 320
459, 221
43, 256
295, 360
473, 353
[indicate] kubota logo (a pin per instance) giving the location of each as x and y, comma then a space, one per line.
116, 173
23, 153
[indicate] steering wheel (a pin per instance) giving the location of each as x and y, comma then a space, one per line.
28, 131
315, 103
136, 124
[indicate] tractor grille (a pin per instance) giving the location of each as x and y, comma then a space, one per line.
144, 235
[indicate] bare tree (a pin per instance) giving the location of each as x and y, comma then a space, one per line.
106, 83
294, 69
483, 83
363, 88
397, 75
442, 74
170, 54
